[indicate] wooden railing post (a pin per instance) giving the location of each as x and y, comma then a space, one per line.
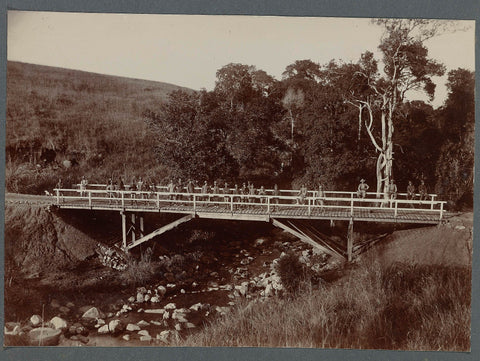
351, 205
90, 199
158, 200
396, 205
194, 203
441, 210
268, 205
433, 199
123, 198
58, 196
231, 204
309, 206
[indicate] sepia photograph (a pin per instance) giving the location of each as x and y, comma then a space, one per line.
238, 181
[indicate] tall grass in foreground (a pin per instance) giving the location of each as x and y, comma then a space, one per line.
403, 306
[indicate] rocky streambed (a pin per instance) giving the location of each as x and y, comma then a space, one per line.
193, 288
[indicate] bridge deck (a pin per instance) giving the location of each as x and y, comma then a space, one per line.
257, 208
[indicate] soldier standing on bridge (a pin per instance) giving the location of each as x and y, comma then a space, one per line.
226, 191
244, 191
236, 191
171, 190
261, 192
205, 191
392, 191
422, 189
302, 194
216, 190
275, 200
410, 192
59, 186
362, 189
83, 186
190, 189
251, 191
320, 197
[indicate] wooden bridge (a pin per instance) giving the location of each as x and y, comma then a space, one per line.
286, 210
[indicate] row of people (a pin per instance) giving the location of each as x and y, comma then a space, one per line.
392, 190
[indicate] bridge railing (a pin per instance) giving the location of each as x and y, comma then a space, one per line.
283, 192
338, 201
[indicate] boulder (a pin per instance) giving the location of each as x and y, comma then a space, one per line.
170, 306
131, 299
132, 327
155, 299
58, 323
140, 297
166, 315
163, 336
54, 303
142, 323
146, 338
64, 310
178, 327
36, 320
189, 325
143, 333
147, 297
115, 326
93, 312
104, 329
126, 337
12, 328
44, 336
70, 305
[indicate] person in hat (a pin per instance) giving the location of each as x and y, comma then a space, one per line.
362, 189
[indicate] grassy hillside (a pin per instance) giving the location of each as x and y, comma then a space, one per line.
67, 123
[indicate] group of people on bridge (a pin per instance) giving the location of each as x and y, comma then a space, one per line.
247, 193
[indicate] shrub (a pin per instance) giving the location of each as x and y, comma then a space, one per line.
291, 271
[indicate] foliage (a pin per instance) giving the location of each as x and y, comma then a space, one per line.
291, 271
404, 306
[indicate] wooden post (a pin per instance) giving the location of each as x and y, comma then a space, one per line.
441, 210
231, 204
268, 205
194, 203
351, 206
90, 199
133, 227
158, 200
433, 199
123, 198
350, 240
124, 230
58, 196
141, 226
396, 204
309, 206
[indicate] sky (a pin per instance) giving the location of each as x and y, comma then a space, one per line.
187, 50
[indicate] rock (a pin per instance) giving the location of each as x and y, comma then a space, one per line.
93, 312
178, 327
143, 333
44, 336
166, 315
155, 299
171, 285
146, 338
156, 323
140, 298
182, 291
147, 298
70, 305
170, 306
131, 299
259, 242
58, 323
196, 307
141, 290
115, 326
161, 290
126, 337
163, 336
190, 325
143, 323
459, 227
100, 322
36, 320
132, 327
54, 303
12, 328
268, 290
104, 329
140, 310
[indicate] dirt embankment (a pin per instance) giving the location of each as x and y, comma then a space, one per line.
37, 240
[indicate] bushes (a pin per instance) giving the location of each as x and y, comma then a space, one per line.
292, 272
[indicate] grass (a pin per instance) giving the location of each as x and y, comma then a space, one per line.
402, 306
93, 121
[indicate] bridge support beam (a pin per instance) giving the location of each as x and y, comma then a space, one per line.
350, 241
297, 232
124, 229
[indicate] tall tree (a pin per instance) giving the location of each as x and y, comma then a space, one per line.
406, 67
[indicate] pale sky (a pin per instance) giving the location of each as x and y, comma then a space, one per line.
187, 50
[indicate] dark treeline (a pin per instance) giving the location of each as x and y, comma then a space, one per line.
300, 130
